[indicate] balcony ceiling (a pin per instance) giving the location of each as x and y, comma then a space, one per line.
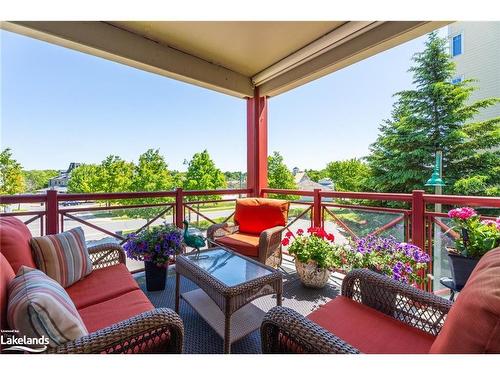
230, 57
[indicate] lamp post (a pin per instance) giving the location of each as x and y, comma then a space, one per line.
438, 183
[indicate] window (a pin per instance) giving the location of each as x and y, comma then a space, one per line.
456, 45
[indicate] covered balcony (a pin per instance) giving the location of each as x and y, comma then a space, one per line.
253, 61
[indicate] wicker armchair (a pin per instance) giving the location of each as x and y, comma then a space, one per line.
285, 331
156, 331
259, 223
269, 243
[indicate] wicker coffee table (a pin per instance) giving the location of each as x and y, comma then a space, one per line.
228, 283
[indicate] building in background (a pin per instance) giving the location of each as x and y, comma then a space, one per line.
475, 50
60, 182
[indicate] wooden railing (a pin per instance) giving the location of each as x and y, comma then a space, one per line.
419, 220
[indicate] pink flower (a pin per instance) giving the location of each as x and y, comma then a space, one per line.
300, 232
462, 213
285, 241
289, 234
493, 223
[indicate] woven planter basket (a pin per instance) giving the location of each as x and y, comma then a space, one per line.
311, 275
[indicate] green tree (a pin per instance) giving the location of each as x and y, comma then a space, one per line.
348, 175
115, 175
316, 175
436, 115
85, 179
11, 174
202, 174
150, 174
38, 179
279, 176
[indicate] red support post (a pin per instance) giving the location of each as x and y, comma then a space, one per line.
52, 213
418, 218
179, 207
317, 209
257, 143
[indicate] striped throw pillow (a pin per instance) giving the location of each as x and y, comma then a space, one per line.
40, 307
63, 257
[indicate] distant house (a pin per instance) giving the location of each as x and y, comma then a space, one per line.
60, 182
303, 182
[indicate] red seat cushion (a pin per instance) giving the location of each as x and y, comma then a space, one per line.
6, 275
243, 243
473, 323
114, 310
369, 330
15, 243
101, 285
254, 215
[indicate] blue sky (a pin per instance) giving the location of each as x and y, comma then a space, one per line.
59, 106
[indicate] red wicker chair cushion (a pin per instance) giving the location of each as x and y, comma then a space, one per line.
15, 243
115, 310
369, 330
6, 275
254, 215
101, 285
243, 243
473, 323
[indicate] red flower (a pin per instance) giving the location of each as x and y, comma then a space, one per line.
285, 241
289, 234
300, 232
330, 237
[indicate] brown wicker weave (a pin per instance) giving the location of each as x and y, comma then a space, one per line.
228, 298
285, 331
155, 331
269, 242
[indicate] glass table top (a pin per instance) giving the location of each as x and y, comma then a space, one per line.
227, 267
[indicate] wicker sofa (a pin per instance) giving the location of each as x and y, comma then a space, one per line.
117, 314
259, 223
375, 314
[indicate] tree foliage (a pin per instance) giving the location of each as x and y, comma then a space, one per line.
115, 175
279, 176
348, 175
11, 174
436, 115
202, 174
85, 179
37, 179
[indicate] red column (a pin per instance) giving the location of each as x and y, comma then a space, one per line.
317, 209
51, 213
179, 208
418, 218
257, 143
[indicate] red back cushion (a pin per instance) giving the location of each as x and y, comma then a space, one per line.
6, 275
15, 243
254, 215
473, 323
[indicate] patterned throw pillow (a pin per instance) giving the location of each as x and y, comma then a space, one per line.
38, 306
63, 257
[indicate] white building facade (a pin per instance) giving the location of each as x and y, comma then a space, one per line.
475, 50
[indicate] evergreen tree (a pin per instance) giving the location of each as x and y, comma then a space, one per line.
436, 115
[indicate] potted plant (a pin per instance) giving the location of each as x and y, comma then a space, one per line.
314, 255
475, 238
400, 261
156, 246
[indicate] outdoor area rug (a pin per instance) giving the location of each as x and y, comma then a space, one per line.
200, 338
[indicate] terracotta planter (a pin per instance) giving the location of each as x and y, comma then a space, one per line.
461, 267
311, 275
